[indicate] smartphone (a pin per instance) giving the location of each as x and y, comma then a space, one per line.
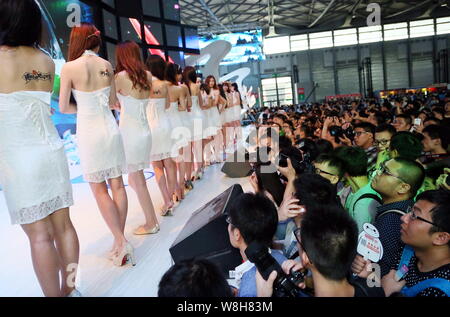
417, 121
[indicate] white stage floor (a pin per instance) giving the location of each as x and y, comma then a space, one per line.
98, 276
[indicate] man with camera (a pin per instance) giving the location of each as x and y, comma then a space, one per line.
327, 243
252, 219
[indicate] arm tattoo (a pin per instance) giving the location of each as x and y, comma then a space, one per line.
36, 75
105, 73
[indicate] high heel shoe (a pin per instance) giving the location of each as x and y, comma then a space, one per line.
167, 212
188, 185
142, 231
124, 256
176, 198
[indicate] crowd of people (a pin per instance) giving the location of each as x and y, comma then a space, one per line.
167, 116
349, 163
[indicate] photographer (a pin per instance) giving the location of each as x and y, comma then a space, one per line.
252, 218
328, 241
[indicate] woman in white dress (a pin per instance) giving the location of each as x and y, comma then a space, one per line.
222, 105
198, 117
180, 134
236, 114
133, 91
162, 153
215, 124
102, 156
34, 172
187, 118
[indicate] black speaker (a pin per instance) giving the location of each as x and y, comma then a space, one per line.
233, 168
205, 235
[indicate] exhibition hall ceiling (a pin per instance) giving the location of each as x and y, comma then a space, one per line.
288, 17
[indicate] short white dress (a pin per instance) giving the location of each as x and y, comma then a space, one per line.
102, 153
34, 172
161, 129
135, 132
198, 120
214, 122
236, 115
178, 135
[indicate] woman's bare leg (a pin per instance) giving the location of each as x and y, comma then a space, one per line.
163, 184
138, 183
68, 248
171, 174
188, 159
181, 169
45, 257
120, 199
198, 155
110, 213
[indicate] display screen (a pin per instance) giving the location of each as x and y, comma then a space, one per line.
191, 38
246, 46
173, 35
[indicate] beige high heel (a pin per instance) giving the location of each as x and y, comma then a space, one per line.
141, 231
124, 256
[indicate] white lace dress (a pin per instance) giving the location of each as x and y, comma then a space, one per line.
102, 154
214, 122
178, 135
135, 132
34, 171
198, 120
161, 129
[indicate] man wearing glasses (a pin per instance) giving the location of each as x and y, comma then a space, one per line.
329, 167
364, 138
383, 136
427, 230
327, 241
363, 201
397, 181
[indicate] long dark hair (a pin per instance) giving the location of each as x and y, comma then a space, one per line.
20, 23
157, 66
189, 75
129, 59
235, 86
172, 70
222, 92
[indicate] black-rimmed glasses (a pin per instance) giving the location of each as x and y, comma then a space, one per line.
318, 171
383, 170
414, 217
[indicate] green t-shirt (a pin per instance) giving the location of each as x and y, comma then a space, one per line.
365, 209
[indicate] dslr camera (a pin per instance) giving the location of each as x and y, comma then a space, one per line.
285, 285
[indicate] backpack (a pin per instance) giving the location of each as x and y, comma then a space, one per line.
367, 195
392, 211
442, 284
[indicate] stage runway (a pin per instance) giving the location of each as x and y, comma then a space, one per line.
98, 276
